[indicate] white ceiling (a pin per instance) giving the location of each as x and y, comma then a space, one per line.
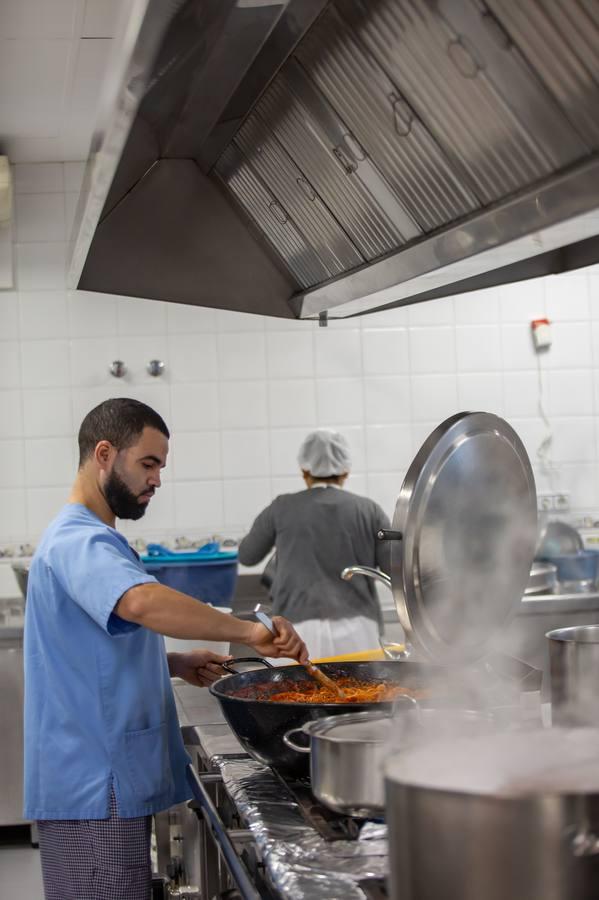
53, 57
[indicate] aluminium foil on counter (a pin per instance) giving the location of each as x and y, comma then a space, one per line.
300, 862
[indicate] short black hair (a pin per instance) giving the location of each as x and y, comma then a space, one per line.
120, 420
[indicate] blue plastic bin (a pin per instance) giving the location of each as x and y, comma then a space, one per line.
208, 574
581, 566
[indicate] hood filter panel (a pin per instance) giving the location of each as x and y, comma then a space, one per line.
296, 127
271, 218
297, 196
378, 115
397, 118
560, 39
458, 69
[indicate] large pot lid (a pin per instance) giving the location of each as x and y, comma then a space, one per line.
467, 512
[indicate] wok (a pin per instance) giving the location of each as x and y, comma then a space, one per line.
261, 724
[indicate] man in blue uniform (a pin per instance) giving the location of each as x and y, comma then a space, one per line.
103, 749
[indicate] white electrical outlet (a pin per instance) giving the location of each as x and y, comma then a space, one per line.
544, 502
554, 502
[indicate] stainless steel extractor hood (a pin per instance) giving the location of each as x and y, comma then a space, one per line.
308, 157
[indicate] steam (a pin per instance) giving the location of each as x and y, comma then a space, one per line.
555, 760
470, 537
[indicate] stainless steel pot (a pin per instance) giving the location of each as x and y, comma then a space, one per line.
574, 668
457, 845
542, 578
557, 538
348, 752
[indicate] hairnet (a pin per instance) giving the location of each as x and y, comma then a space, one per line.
324, 453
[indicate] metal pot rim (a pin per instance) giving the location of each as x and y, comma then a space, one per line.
533, 797
320, 727
572, 634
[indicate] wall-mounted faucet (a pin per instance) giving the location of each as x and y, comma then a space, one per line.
391, 649
350, 571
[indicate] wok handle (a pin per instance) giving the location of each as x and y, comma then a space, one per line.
243, 659
287, 740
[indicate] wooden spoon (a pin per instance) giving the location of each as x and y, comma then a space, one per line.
312, 670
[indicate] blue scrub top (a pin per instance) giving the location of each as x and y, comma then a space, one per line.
99, 706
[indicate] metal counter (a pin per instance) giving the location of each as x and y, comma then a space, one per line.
559, 603
11, 711
524, 635
534, 604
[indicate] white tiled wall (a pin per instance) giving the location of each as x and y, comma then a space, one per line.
239, 392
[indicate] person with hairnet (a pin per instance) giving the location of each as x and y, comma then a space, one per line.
316, 533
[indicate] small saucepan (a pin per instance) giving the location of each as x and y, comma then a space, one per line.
348, 752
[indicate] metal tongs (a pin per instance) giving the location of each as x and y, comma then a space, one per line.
262, 613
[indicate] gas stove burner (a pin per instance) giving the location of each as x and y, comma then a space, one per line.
374, 889
330, 825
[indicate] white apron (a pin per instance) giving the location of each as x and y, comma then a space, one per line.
335, 637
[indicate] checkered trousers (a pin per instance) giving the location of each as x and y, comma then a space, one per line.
96, 859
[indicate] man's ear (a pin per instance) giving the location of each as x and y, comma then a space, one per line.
103, 453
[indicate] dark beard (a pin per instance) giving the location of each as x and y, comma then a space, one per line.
123, 502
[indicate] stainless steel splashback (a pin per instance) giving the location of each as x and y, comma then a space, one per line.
307, 157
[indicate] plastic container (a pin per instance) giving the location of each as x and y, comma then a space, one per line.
581, 566
208, 574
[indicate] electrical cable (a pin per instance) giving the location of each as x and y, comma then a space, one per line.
544, 448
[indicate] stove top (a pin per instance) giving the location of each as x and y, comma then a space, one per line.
305, 850
332, 826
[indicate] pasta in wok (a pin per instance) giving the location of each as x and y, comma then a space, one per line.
354, 691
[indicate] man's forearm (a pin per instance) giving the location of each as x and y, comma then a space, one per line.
177, 615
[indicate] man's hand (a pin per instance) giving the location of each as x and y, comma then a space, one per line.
286, 642
198, 667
